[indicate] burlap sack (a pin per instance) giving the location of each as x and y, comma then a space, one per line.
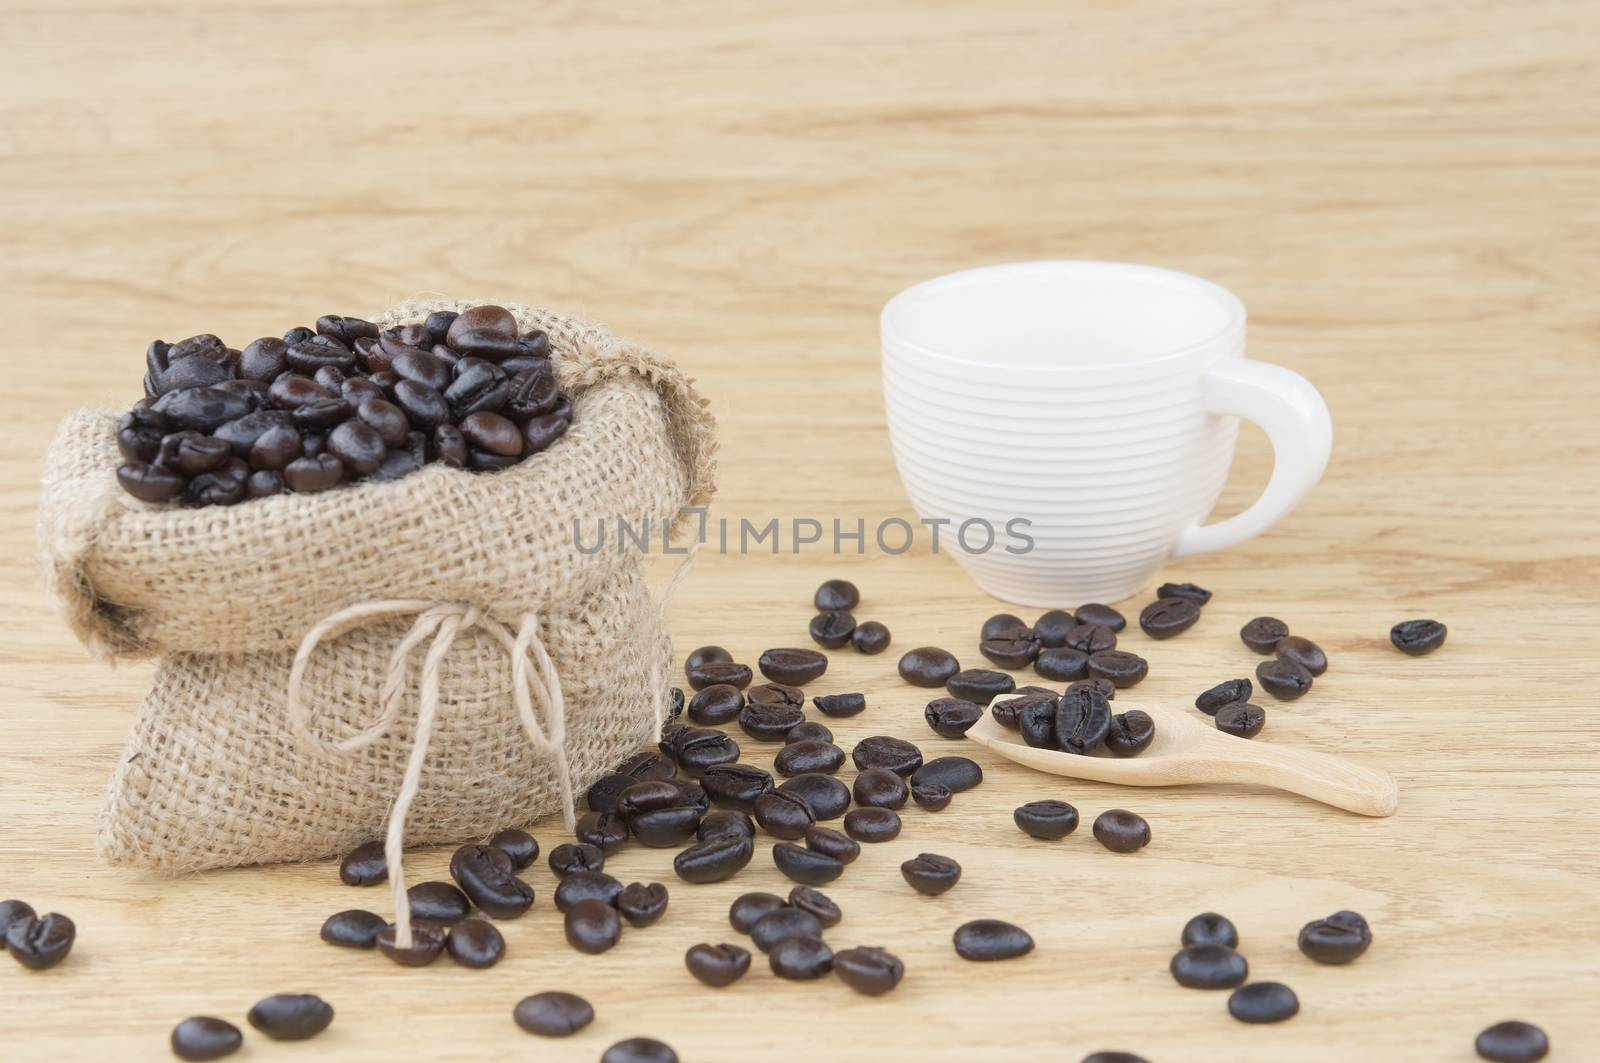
542, 657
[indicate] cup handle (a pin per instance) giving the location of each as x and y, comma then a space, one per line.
1296, 420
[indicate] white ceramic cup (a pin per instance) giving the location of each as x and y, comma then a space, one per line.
1092, 408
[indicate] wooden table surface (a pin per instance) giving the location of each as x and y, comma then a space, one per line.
1403, 194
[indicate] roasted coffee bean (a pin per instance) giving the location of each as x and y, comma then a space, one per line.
872, 825
13, 911
840, 704
264, 483
477, 386
291, 391
449, 446
1264, 633
1118, 667
1102, 615
1121, 831
1284, 680
832, 843
1340, 938
986, 940
40, 942
191, 453
868, 970
639, 1050
139, 435
386, 419
607, 831
785, 922
1091, 639
1037, 723
748, 909
642, 905
253, 391
531, 394
438, 902
1113, 1057
475, 943
805, 758
705, 655
1209, 928
1418, 637
149, 483
1052, 628
832, 629
648, 764
424, 406
827, 797
438, 324
883, 751
1008, 713
1304, 652
836, 594
808, 731
1512, 1042
275, 448
243, 433
592, 926
716, 704
586, 886
1263, 1002
493, 433
1197, 595
1003, 626
664, 828
605, 793
880, 788
1241, 719
1046, 820
697, 751
1208, 967
932, 797
1016, 652
358, 445
1166, 617
485, 344
346, 329
291, 1016
203, 1037
806, 865
793, 667
928, 666
870, 638
1104, 687
553, 1014
328, 377
800, 958
951, 717
1224, 694
784, 815
569, 857
265, 359
310, 475
1083, 717
724, 822
931, 874
711, 672
519, 845
714, 860
318, 352
353, 929
979, 685
427, 942
717, 965
956, 773
780, 694
203, 409
488, 461
817, 903
1130, 733
735, 785
486, 318
768, 722
223, 487
364, 866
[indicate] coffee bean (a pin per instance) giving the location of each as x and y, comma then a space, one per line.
553, 1014
1130, 733
870, 638
1264, 633
769, 722
1224, 694
264, 483
40, 942
1208, 967
569, 857
1037, 723
353, 929
736, 785
1197, 595
494, 320
1418, 637
1052, 627
586, 886
832, 843
1119, 668
883, 751
928, 666
1121, 831
716, 704
320, 352
1166, 617
698, 750
298, 335
868, 970
320, 414
951, 717
478, 386
832, 629
713, 672
1241, 719
475, 943
592, 926
1304, 652
642, 905
1016, 652
605, 792
639, 1050
816, 902
827, 797
1004, 625
1340, 938
139, 435
836, 594
748, 909
1104, 687
1008, 713
715, 859
291, 1016
203, 1037
986, 940
800, 958
837, 705
717, 965
1263, 1002
705, 655
423, 405
450, 446
785, 922
275, 448
804, 758
1046, 820
190, 453
1209, 928
872, 825
1103, 615
806, 865
438, 902
1284, 680
532, 394
1113, 1057
780, 694
265, 359
956, 773
664, 828
979, 685
931, 874
1512, 1042
487, 876
202, 409
13, 911
310, 475
364, 866
358, 445
792, 667
1083, 718
223, 487
427, 942
932, 797
725, 822
784, 815
149, 483
493, 433
648, 764
1091, 638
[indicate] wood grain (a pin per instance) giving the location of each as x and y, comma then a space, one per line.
1402, 193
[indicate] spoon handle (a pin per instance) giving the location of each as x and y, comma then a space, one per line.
1319, 776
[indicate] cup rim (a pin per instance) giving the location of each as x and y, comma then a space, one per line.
1151, 274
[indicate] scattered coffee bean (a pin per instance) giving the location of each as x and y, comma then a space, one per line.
793, 667
871, 638
786, 922
1208, 967
1082, 719
427, 941
884, 751
928, 666
932, 797
1062, 664
1197, 595
1003, 625
834, 843
714, 859
725, 822
931, 874
1091, 638
438, 902
956, 773
1046, 820
13, 911
717, 965
648, 764
605, 792
979, 685
1224, 694
840, 704
802, 758
985, 940
606, 831
748, 909
705, 655
784, 815
353, 929
1241, 719
1264, 633
1130, 733
780, 695
203, 1037
553, 1014
639, 1050
517, 844
1118, 667
487, 876
1102, 615
713, 672
868, 970
1512, 1042
836, 594
872, 825
952, 717
592, 926
291, 1016
817, 903
1284, 680
736, 786
1340, 938
1418, 637
832, 629
1008, 713
364, 866
827, 797
40, 942
806, 865
1209, 928
1105, 688
767, 722
1263, 1002
475, 943
1052, 627
808, 731
1121, 831
1166, 617
800, 958
697, 749
1113, 1057
569, 857
716, 704
1304, 652
1013, 652
586, 886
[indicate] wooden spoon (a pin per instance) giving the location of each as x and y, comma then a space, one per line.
1185, 750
